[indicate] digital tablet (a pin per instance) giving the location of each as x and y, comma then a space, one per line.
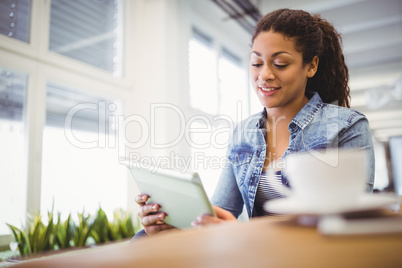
181, 196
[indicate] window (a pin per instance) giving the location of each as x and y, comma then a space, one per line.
15, 19
233, 98
202, 70
75, 73
12, 162
89, 31
219, 96
217, 79
79, 166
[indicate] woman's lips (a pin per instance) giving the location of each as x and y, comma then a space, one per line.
268, 91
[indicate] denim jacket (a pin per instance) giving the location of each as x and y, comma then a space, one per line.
318, 125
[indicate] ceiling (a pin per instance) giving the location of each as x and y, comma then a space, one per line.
372, 41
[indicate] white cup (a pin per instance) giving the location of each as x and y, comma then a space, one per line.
331, 177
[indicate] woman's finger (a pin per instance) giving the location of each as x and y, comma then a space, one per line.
222, 215
205, 220
147, 209
153, 219
141, 199
156, 228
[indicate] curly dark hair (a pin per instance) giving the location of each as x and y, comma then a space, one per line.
313, 36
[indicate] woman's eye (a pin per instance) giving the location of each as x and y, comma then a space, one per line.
256, 64
280, 66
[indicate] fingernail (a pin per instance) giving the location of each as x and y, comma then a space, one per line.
161, 216
154, 207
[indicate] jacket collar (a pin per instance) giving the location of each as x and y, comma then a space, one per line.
302, 118
308, 112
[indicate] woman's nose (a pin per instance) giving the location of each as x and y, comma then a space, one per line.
266, 74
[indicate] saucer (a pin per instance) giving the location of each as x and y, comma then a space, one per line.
292, 206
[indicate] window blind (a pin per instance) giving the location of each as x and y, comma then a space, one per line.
87, 112
15, 18
89, 31
12, 94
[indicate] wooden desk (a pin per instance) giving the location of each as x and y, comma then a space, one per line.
263, 242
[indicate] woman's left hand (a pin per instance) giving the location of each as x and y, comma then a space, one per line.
222, 215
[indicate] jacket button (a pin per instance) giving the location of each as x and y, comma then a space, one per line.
292, 125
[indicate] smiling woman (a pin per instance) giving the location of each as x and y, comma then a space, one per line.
278, 73
297, 70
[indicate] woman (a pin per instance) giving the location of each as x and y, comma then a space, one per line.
297, 69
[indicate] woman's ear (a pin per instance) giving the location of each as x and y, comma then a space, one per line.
312, 67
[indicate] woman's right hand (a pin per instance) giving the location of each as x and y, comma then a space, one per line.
150, 216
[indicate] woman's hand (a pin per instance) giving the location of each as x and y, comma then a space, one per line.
222, 215
150, 217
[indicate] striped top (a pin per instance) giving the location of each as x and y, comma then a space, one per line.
269, 187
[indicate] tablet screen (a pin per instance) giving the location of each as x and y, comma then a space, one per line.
181, 196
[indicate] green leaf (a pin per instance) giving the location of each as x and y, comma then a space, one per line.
46, 234
69, 232
83, 230
37, 234
100, 230
17, 238
14, 230
26, 246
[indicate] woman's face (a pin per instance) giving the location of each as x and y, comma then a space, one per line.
278, 74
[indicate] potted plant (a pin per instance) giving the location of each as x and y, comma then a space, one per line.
36, 237
56, 234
